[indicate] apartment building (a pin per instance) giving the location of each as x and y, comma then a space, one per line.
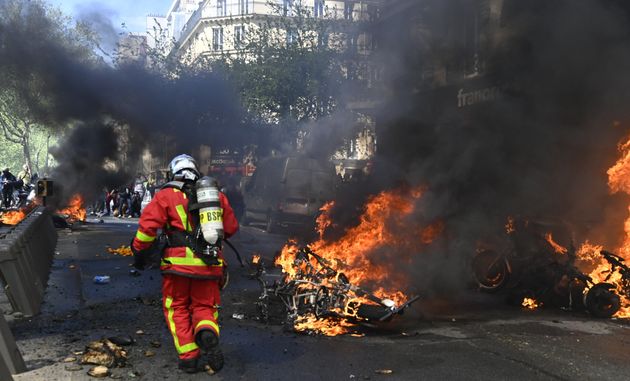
164, 30
219, 27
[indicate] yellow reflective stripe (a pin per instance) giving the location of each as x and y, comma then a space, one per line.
171, 324
210, 323
216, 315
188, 261
183, 216
144, 237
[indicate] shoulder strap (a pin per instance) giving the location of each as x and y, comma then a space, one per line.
179, 185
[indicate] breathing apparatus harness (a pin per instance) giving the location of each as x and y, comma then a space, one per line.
205, 240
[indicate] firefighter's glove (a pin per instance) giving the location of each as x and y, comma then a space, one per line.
139, 260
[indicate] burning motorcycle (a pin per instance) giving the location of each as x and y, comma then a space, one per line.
318, 289
618, 265
535, 266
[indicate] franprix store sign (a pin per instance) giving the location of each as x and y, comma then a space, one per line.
471, 97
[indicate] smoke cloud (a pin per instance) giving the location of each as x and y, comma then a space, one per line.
519, 119
95, 98
522, 118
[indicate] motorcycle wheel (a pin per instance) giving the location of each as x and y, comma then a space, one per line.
322, 302
601, 302
490, 270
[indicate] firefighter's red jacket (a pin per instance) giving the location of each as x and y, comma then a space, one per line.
168, 211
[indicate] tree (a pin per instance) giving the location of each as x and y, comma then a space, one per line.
23, 105
291, 68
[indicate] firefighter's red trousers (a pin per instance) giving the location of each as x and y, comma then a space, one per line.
190, 305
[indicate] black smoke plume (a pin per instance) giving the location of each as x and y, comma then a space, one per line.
536, 139
63, 84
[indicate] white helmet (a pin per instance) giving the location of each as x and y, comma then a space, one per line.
183, 167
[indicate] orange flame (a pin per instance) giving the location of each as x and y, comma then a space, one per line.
12, 217
255, 259
509, 226
530, 304
75, 210
361, 253
588, 254
556, 246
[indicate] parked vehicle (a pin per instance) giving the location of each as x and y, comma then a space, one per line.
534, 266
288, 191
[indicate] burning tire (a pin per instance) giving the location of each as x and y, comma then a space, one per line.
491, 270
601, 301
270, 226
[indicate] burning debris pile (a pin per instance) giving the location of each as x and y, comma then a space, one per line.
330, 286
12, 217
589, 276
74, 212
320, 298
536, 270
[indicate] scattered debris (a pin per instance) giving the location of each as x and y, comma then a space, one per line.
139, 332
156, 344
134, 272
73, 368
101, 279
383, 371
72, 266
70, 359
123, 250
122, 340
149, 353
238, 316
99, 371
104, 352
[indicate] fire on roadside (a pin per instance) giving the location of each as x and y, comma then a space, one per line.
589, 254
361, 253
556, 246
12, 217
75, 210
530, 304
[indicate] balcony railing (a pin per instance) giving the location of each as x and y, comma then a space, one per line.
234, 8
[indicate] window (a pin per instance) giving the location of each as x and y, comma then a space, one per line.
292, 36
217, 39
239, 36
348, 10
287, 7
221, 8
318, 9
243, 7
322, 39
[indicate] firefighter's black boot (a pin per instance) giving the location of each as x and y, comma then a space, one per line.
189, 365
208, 341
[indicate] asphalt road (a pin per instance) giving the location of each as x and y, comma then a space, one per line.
466, 337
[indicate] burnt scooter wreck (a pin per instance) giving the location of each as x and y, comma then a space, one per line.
534, 266
319, 289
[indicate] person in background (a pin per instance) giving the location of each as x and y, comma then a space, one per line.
24, 176
7, 179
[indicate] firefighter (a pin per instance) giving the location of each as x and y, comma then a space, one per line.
192, 276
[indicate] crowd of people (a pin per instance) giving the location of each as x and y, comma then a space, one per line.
16, 189
125, 201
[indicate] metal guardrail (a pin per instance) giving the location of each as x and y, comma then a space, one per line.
26, 255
